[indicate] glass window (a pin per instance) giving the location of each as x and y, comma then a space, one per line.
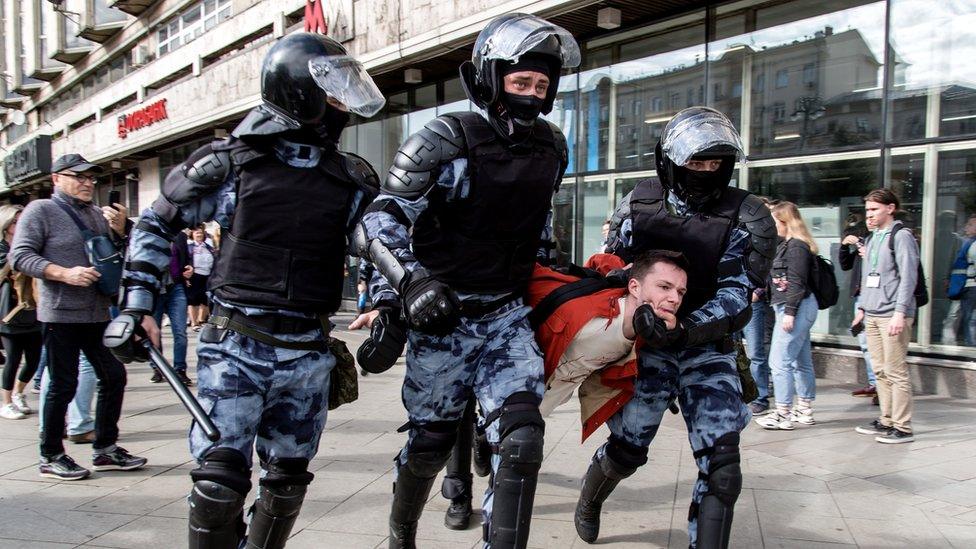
564, 221
424, 107
835, 101
829, 195
665, 63
596, 211
594, 123
928, 41
954, 321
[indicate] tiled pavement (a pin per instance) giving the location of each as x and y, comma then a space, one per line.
817, 486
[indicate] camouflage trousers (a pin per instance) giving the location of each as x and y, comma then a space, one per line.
257, 394
491, 357
707, 387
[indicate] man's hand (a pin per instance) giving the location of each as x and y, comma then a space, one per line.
652, 329
77, 276
431, 306
364, 320
896, 325
858, 318
850, 240
188, 272
788, 321
116, 216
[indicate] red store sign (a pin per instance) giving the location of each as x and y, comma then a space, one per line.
146, 116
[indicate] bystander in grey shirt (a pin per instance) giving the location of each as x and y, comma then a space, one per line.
896, 292
45, 235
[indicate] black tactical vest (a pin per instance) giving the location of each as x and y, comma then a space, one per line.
701, 237
287, 243
487, 242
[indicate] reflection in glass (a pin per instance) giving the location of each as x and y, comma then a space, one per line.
564, 222
933, 45
815, 74
596, 211
955, 225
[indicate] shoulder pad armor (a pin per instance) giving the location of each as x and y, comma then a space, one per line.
360, 170
419, 159
755, 217
562, 148
201, 174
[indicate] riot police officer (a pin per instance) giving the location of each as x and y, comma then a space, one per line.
288, 200
729, 239
476, 191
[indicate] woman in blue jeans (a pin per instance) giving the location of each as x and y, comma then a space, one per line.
790, 358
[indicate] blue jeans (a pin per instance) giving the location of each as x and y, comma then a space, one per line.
862, 341
80, 419
173, 303
790, 356
756, 349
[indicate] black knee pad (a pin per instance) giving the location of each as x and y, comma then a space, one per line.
519, 409
227, 467
431, 447
521, 430
623, 457
214, 506
724, 473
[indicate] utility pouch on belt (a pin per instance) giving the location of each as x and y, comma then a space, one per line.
749, 390
344, 380
212, 334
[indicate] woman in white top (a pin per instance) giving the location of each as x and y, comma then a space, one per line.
196, 287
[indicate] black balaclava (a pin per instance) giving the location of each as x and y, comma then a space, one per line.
326, 134
698, 188
516, 114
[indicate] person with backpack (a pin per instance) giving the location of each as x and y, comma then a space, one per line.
795, 306
962, 285
850, 260
891, 291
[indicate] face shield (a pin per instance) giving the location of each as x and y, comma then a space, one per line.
516, 36
345, 80
689, 134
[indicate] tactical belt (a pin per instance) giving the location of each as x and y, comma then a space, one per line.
478, 309
258, 328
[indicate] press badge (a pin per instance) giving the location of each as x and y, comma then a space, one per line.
874, 280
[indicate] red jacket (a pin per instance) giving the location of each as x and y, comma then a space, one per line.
607, 390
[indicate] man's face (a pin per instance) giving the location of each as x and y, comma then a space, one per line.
877, 214
527, 83
703, 165
75, 185
970, 229
663, 288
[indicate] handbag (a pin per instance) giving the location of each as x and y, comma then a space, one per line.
102, 253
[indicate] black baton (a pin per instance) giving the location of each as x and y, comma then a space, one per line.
186, 397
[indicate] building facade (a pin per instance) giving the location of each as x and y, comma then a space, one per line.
832, 99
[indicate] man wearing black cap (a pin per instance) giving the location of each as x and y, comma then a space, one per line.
476, 190
50, 246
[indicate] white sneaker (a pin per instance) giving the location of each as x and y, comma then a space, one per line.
775, 422
9, 411
802, 415
20, 402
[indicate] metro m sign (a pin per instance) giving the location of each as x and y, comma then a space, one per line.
315, 17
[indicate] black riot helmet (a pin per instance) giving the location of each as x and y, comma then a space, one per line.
302, 71
522, 40
697, 133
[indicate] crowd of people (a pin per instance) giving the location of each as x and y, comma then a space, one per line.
884, 287
455, 259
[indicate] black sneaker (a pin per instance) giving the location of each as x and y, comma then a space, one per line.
62, 468
895, 436
117, 460
873, 428
157, 377
184, 379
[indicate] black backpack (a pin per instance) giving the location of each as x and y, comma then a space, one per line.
921, 288
823, 282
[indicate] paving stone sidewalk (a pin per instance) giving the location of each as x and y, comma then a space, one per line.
818, 486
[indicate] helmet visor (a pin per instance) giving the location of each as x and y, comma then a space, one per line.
345, 80
515, 37
697, 133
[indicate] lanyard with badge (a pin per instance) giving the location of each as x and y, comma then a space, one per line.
874, 250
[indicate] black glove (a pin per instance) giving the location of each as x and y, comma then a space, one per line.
652, 329
385, 343
120, 338
430, 305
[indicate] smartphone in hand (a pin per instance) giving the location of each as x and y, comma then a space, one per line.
857, 329
114, 197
